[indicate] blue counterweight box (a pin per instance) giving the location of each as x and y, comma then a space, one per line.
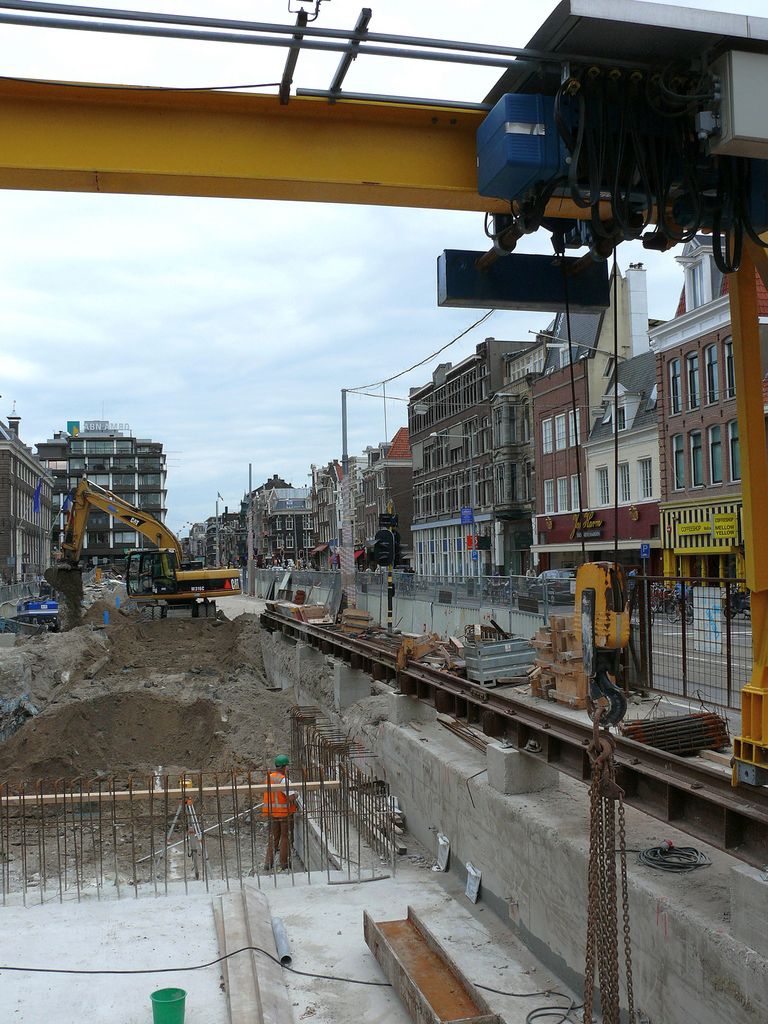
518, 145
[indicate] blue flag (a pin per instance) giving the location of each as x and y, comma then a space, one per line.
36, 499
67, 502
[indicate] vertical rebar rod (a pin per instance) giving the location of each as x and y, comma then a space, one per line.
134, 872
183, 819
101, 837
94, 850
305, 824
58, 837
201, 820
77, 861
40, 818
80, 811
236, 824
5, 844
23, 837
219, 819
251, 822
65, 844
113, 818
151, 782
166, 815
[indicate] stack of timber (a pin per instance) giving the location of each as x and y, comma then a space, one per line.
355, 621
314, 613
559, 673
254, 983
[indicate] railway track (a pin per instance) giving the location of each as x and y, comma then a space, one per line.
688, 793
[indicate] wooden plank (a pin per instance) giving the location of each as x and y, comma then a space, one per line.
270, 979
242, 991
33, 799
218, 920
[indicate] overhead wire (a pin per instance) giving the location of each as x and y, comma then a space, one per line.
426, 359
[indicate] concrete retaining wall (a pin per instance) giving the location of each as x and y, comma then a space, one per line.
690, 960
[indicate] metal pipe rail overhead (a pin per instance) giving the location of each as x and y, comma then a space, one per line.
691, 795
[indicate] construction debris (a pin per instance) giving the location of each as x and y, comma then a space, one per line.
355, 621
680, 734
316, 614
559, 666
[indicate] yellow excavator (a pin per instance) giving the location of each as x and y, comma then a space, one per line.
157, 577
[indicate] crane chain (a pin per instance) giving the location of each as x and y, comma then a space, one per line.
602, 950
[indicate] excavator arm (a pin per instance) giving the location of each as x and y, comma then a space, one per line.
89, 495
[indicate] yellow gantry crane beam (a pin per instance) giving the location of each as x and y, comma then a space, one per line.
101, 138
241, 145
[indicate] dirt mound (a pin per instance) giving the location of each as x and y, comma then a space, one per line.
119, 733
182, 693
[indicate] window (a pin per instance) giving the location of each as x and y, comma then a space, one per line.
675, 403
733, 450
730, 379
608, 367
546, 436
562, 494
645, 478
710, 369
549, 496
697, 285
715, 456
575, 491
560, 432
622, 418
678, 462
624, 484
603, 490
697, 464
692, 371
574, 428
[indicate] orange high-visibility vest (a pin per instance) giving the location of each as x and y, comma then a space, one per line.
276, 803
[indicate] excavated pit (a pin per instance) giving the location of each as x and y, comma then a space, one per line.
187, 694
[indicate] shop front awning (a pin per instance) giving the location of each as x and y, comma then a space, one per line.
319, 549
595, 545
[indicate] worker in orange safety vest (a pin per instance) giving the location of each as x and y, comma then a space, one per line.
279, 807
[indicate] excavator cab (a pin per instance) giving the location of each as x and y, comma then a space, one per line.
151, 573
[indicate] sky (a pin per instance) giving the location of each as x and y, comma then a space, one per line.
227, 328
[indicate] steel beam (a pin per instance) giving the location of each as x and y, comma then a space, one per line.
80, 138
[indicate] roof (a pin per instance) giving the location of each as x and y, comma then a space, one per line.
719, 280
400, 448
637, 376
585, 330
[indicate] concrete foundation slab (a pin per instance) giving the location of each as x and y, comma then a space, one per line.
513, 771
404, 709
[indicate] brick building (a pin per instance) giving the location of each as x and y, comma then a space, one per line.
25, 521
699, 452
560, 431
388, 476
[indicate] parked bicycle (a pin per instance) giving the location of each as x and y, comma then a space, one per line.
662, 600
737, 602
682, 604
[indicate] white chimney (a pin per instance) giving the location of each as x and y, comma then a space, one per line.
638, 308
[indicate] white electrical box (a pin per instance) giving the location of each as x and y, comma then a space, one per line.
743, 107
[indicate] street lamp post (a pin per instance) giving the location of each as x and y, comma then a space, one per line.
251, 573
218, 531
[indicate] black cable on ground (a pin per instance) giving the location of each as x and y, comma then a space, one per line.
668, 857
285, 967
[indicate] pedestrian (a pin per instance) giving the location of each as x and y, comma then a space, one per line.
279, 808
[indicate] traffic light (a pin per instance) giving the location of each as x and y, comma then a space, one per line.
384, 548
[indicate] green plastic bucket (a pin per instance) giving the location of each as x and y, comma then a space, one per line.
168, 1006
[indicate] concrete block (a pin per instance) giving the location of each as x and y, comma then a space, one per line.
749, 907
514, 771
309, 661
349, 686
404, 709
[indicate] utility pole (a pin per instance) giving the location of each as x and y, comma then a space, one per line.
346, 543
218, 533
391, 566
251, 573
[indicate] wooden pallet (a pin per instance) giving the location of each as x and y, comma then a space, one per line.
559, 667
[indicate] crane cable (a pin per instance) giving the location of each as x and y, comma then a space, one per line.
606, 797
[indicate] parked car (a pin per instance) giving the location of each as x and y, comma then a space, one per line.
558, 583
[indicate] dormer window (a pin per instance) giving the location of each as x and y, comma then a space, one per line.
696, 275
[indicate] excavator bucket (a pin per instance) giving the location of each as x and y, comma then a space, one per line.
67, 581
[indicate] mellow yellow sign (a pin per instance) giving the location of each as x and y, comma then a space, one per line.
725, 525
684, 529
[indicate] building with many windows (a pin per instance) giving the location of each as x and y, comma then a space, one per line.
513, 459
698, 429
26, 488
108, 454
567, 401
449, 425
